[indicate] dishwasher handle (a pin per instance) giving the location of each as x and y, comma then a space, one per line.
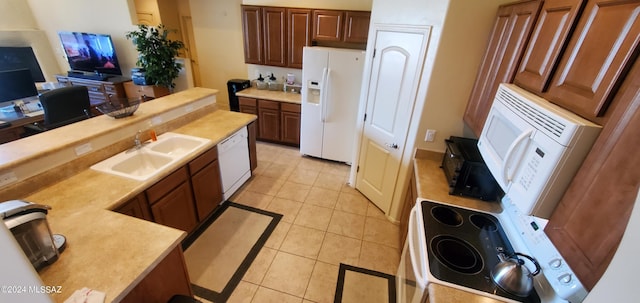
228, 143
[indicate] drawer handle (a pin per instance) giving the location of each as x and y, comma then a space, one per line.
391, 145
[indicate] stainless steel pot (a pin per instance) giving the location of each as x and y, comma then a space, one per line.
512, 276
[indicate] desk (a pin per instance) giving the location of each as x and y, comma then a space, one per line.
18, 120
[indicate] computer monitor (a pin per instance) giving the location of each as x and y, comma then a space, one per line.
16, 84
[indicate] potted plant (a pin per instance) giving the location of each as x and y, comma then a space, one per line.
156, 54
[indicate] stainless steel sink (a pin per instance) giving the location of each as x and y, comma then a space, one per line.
152, 158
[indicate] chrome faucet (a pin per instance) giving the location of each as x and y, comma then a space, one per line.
137, 142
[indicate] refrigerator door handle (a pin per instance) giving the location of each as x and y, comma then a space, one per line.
327, 85
323, 93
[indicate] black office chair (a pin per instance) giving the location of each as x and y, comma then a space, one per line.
62, 106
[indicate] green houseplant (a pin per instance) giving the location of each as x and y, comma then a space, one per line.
156, 54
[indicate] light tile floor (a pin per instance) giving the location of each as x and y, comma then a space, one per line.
325, 223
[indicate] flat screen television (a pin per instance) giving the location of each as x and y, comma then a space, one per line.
89, 52
12, 58
16, 84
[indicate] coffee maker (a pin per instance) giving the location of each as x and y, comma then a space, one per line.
28, 223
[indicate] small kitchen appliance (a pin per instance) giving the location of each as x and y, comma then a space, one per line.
466, 173
28, 223
234, 86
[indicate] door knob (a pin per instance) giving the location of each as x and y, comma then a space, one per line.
395, 146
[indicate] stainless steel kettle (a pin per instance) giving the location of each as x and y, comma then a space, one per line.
513, 276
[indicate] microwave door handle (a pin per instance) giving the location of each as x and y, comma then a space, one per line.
507, 159
412, 251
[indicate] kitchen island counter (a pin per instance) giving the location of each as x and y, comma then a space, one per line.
108, 251
431, 184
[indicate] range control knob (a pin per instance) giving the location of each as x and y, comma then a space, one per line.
555, 263
565, 278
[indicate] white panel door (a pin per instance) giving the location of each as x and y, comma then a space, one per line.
344, 79
393, 84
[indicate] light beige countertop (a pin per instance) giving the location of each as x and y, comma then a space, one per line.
281, 96
432, 185
108, 251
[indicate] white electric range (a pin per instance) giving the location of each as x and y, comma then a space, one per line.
458, 247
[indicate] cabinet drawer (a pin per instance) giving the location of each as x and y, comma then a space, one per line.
290, 107
262, 104
158, 190
201, 161
247, 101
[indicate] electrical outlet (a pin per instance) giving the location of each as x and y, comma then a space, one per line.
431, 134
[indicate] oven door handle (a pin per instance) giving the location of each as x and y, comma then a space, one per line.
421, 280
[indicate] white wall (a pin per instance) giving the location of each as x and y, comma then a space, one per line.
112, 17
18, 28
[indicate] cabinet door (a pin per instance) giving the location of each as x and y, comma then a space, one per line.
207, 189
599, 54
356, 27
136, 207
299, 28
268, 120
248, 105
176, 209
290, 127
591, 217
253, 152
275, 36
508, 38
252, 34
556, 20
327, 25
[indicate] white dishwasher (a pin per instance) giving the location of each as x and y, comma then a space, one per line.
233, 155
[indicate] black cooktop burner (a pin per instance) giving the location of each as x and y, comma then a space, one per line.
462, 247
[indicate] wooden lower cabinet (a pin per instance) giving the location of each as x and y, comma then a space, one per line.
176, 209
137, 207
269, 120
167, 279
290, 123
206, 183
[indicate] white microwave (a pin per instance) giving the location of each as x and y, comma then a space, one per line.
533, 148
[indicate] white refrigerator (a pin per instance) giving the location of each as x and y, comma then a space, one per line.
331, 80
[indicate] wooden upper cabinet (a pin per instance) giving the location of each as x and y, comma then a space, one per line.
299, 35
252, 34
603, 191
598, 56
511, 31
275, 36
556, 20
327, 25
356, 27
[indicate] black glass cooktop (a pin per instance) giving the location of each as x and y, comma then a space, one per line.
463, 246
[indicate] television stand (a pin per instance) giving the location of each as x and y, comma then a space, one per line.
99, 91
90, 76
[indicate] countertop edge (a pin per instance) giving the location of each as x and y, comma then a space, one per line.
229, 123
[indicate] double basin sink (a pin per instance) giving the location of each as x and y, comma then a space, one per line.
149, 159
